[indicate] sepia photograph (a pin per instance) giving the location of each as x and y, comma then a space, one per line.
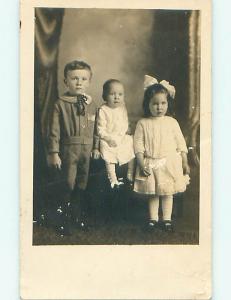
115, 150
116, 126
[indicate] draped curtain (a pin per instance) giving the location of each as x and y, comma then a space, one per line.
193, 135
48, 25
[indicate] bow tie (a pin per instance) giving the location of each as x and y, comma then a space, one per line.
80, 105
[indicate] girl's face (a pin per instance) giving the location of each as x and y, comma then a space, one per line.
115, 96
158, 105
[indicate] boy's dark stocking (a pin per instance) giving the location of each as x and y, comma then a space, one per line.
78, 208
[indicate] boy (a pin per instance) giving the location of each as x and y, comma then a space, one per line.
72, 139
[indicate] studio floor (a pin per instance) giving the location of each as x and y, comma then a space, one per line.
119, 220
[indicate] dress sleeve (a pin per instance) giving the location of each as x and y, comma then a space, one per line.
180, 141
102, 124
139, 139
54, 131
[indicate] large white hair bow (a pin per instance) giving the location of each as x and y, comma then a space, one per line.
149, 80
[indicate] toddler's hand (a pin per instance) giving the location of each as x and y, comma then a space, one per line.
111, 143
54, 161
186, 169
95, 154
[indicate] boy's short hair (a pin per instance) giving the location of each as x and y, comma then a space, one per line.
77, 65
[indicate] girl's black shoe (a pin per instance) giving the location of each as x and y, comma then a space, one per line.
151, 225
168, 226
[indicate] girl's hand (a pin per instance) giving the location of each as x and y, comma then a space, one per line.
145, 171
185, 166
186, 169
95, 154
54, 161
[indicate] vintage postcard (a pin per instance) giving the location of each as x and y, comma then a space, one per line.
115, 155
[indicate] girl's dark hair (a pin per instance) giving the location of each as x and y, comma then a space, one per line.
106, 87
152, 90
77, 65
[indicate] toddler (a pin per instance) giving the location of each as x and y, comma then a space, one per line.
116, 146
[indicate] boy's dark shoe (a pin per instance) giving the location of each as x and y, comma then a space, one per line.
63, 230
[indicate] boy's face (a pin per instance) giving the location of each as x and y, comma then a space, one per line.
77, 81
115, 96
158, 105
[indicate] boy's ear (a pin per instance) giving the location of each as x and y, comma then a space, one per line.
65, 81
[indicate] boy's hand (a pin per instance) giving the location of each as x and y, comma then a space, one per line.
186, 169
54, 161
95, 154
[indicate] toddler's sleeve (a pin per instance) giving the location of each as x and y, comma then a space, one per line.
96, 138
54, 131
180, 141
139, 139
102, 124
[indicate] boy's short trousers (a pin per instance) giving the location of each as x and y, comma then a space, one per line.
75, 165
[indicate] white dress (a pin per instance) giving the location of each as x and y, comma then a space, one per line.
113, 123
161, 141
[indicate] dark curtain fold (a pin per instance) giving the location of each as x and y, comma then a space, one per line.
193, 135
48, 25
176, 57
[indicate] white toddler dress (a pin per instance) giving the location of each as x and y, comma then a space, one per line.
113, 123
161, 141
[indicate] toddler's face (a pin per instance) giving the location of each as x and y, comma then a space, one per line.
115, 96
77, 81
158, 105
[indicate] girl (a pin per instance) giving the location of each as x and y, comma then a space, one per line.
116, 146
161, 153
